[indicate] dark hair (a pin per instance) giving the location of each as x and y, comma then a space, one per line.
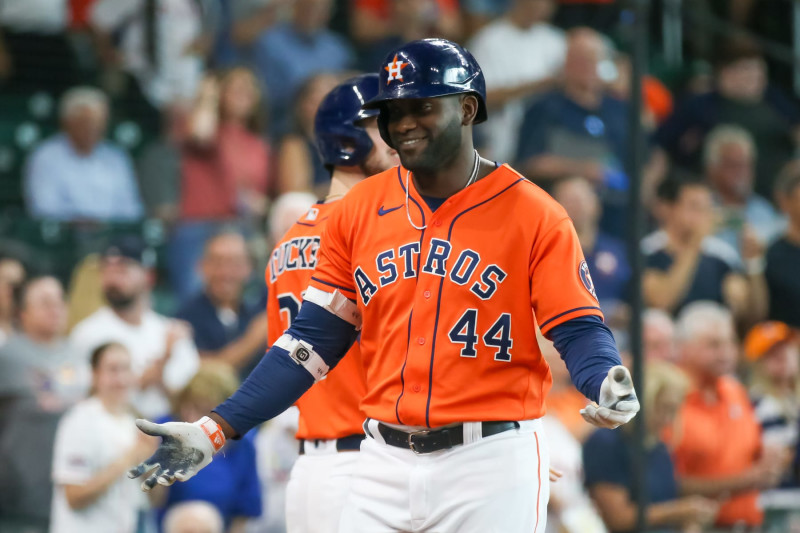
669, 190
20, 292
257, 120
226, 231
736, 49
100, 351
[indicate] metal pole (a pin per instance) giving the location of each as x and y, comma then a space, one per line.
639, 38
672, 28
796, 46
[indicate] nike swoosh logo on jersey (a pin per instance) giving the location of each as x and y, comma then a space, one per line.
382, 211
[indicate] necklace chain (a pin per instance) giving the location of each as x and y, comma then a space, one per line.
473, 175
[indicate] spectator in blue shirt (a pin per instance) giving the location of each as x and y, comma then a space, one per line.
684, 262
226, 328
230, 483
607, 462
288, 54
580, 130
743, 97
606, 255
76, 175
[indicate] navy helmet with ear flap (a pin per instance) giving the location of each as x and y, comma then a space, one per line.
426, 69
341, 141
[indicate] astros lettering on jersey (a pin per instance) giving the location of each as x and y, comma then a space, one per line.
329, 410
446, 336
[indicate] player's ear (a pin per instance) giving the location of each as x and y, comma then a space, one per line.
469, 109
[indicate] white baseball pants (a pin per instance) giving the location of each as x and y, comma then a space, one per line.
498, 484
318, 488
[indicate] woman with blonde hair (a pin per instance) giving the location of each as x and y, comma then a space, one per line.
773, 349
230, 483
607, 456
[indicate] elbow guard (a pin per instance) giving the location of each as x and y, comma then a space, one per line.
336, 303
303, 354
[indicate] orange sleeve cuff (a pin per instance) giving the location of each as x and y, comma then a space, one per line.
560, 318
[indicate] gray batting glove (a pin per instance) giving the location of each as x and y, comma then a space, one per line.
184, 450
618, 403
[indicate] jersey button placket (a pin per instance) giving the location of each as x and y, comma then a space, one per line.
421, 341
426, 294
416, 387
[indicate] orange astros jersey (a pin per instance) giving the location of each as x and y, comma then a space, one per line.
449, 312
329, 410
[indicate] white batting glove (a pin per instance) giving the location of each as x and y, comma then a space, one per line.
618, 402
185, 449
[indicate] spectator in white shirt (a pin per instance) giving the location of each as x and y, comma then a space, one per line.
76, 175
164, 357
162, 50
521, 54
96, 443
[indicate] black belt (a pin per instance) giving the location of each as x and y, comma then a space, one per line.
429, 441
345, 444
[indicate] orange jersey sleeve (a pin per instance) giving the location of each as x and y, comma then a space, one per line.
449, 312
561, 285
330, 409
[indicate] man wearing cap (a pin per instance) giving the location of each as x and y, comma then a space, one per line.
164, 357
717, 444
774, 349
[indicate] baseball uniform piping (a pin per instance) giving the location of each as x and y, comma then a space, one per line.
439, 300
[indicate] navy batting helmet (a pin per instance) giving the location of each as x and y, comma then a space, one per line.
340, 140
427, 69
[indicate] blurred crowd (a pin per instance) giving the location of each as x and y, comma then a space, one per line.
153, 151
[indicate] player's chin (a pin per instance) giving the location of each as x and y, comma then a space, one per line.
416, 162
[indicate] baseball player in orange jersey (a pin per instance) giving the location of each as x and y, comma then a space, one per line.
330, 428
444, 266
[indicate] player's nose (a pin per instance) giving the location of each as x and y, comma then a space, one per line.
404, 123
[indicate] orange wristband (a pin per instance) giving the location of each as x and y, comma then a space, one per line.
213, 431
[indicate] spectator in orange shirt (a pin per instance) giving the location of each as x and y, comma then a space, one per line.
717, 441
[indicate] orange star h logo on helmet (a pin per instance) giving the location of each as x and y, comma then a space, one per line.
395, 69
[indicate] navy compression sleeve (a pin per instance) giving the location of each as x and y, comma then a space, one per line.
588, 349
277, 382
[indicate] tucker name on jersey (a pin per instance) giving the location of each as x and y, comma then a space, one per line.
299, 253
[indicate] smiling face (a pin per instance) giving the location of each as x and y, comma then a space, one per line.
731, 173
427, 132
43, 312
226, 267
112, 377
711, 352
